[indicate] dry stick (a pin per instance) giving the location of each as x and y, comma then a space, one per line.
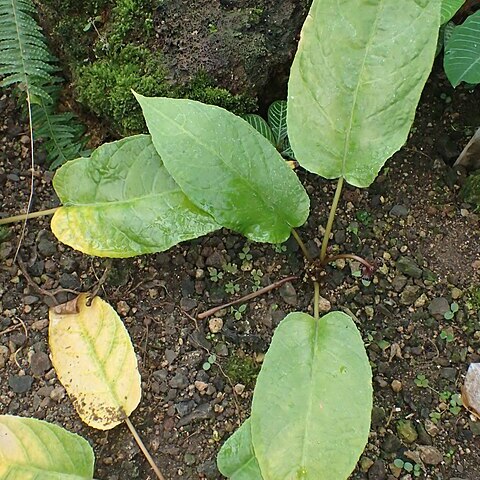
25, 216
37, 288
348, 256
32, 177
263, 290
143, 448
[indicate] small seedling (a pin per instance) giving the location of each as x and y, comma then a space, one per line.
455, 404
435, 417
238, 313
210, 361
279, 248
232, 288
422, 381
215, 275
364, 217
257, 278
447, 335
230, 268
449, 314
409, 467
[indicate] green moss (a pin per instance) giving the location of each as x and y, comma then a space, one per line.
471, 190
242, 370
105, 87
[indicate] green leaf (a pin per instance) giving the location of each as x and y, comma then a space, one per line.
259, 124
313, 400
462, 52
277, 118
356, 81
32, 449
227, 168
448, 29
236, 459
449, 9
122, 202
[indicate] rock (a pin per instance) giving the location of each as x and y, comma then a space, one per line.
202, 412
399, 211
406, 431
409, 295
239, 388
188, 304
324, 305
289, 294
423, 437
396, 386
438, 307
421, 301
391, 444
20, 383
57, 394
409, 267
449, 373
215, 325
40, 363
185, 407
47, 245
3, 355
430, 455
378, 416
456, 293
377, 471
30, 299
431, 428
399, 282
216, 260
179, 381
365, 464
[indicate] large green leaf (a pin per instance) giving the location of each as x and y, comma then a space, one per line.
122, 202
227, 168
236, 459
313, 400
449, 9
462, 52
32, 449
355, 82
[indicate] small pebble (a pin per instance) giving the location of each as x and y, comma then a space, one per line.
215, 325
396, 386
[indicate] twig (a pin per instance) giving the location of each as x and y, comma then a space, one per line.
9, 329
38, 289
32, 175
143, 448
19, 348
263, 290
348, 256
100, 281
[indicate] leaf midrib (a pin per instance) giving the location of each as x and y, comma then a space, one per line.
359, 83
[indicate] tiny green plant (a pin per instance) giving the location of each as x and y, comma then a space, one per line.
215, 275
212, 358
409, 467
257, 276
447, 335
232, 288
450, 314
238, 312
422, 381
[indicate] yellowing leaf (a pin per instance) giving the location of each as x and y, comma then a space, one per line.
94, 359
31, 449
471, 389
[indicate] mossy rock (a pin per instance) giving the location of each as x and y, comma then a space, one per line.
224, 53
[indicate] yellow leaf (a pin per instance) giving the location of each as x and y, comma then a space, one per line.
94, 359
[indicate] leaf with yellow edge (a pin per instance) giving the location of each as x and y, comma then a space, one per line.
32, 449
94, 359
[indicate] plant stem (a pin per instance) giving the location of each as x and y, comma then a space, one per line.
316, 299
331, 217
143, 448
263, 290
347, 256
302, 246
25, 216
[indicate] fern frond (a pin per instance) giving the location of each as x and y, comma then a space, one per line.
61, 132
24, 57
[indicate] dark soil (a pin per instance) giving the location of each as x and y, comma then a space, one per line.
411, 221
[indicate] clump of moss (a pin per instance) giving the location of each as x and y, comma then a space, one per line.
105, 86
471, 190
242, 369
